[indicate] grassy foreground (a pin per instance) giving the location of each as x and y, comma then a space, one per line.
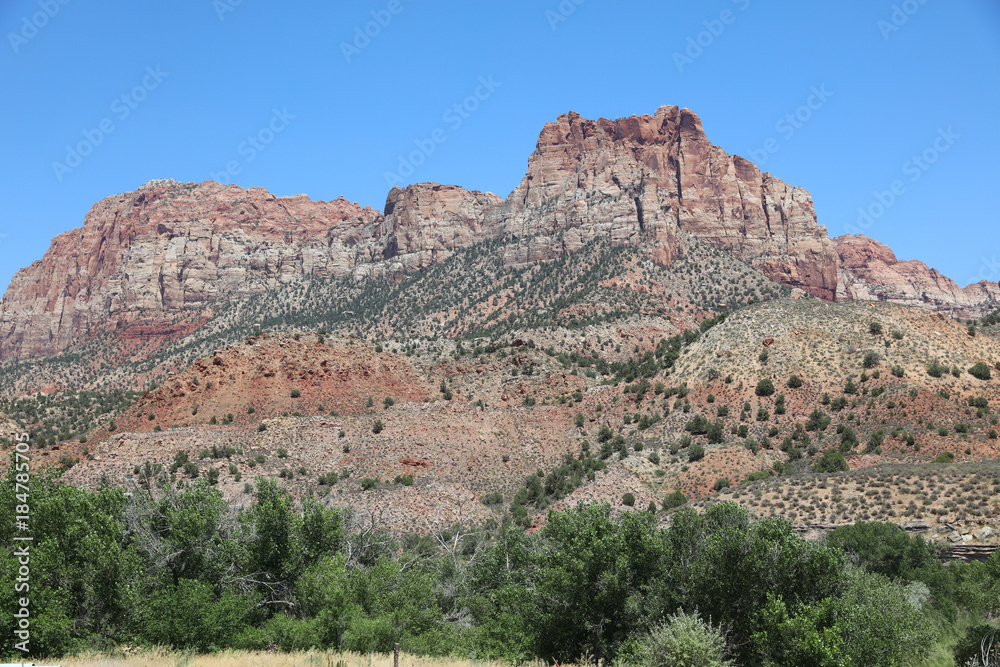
163, 658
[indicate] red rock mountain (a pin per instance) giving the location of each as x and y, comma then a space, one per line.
158, 260
869, 271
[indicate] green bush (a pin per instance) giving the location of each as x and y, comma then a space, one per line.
794, 382
883, 548
831, 461
675, 499
377, 426
628, 500
764, 388
683, 640
936, 370
696, 453
980, 371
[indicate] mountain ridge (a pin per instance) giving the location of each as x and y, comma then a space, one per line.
160, 261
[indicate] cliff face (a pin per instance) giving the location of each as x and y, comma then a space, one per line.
869, 271
640, 179
155, 262
166, 248
149, 262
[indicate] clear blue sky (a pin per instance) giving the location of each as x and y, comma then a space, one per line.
223, 68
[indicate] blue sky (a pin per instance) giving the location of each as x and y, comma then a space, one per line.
175, 89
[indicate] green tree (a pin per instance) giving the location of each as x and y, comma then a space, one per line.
884, 548
589, 579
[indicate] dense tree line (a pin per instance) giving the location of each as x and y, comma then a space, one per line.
189, 570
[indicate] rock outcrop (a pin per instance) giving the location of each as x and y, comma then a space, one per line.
869, 271
168, 249
159, 261
640, 179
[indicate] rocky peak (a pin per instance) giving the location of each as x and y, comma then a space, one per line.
869, 271
642, 178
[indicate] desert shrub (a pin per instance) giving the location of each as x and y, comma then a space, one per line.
675, 499
818, 421
936, 370
875, 328
367, 483
980, 371
683, 640
628, 500
871, 359
715, 433
696, 452
491, 499
721, 483
764, 388
794, 382
296, 393
377, 426
831, 461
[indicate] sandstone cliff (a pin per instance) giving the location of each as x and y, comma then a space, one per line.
642, 178
160, 260
869, 271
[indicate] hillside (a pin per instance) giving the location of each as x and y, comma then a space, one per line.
455, 426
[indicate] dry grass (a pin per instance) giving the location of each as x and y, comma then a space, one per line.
161, 658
